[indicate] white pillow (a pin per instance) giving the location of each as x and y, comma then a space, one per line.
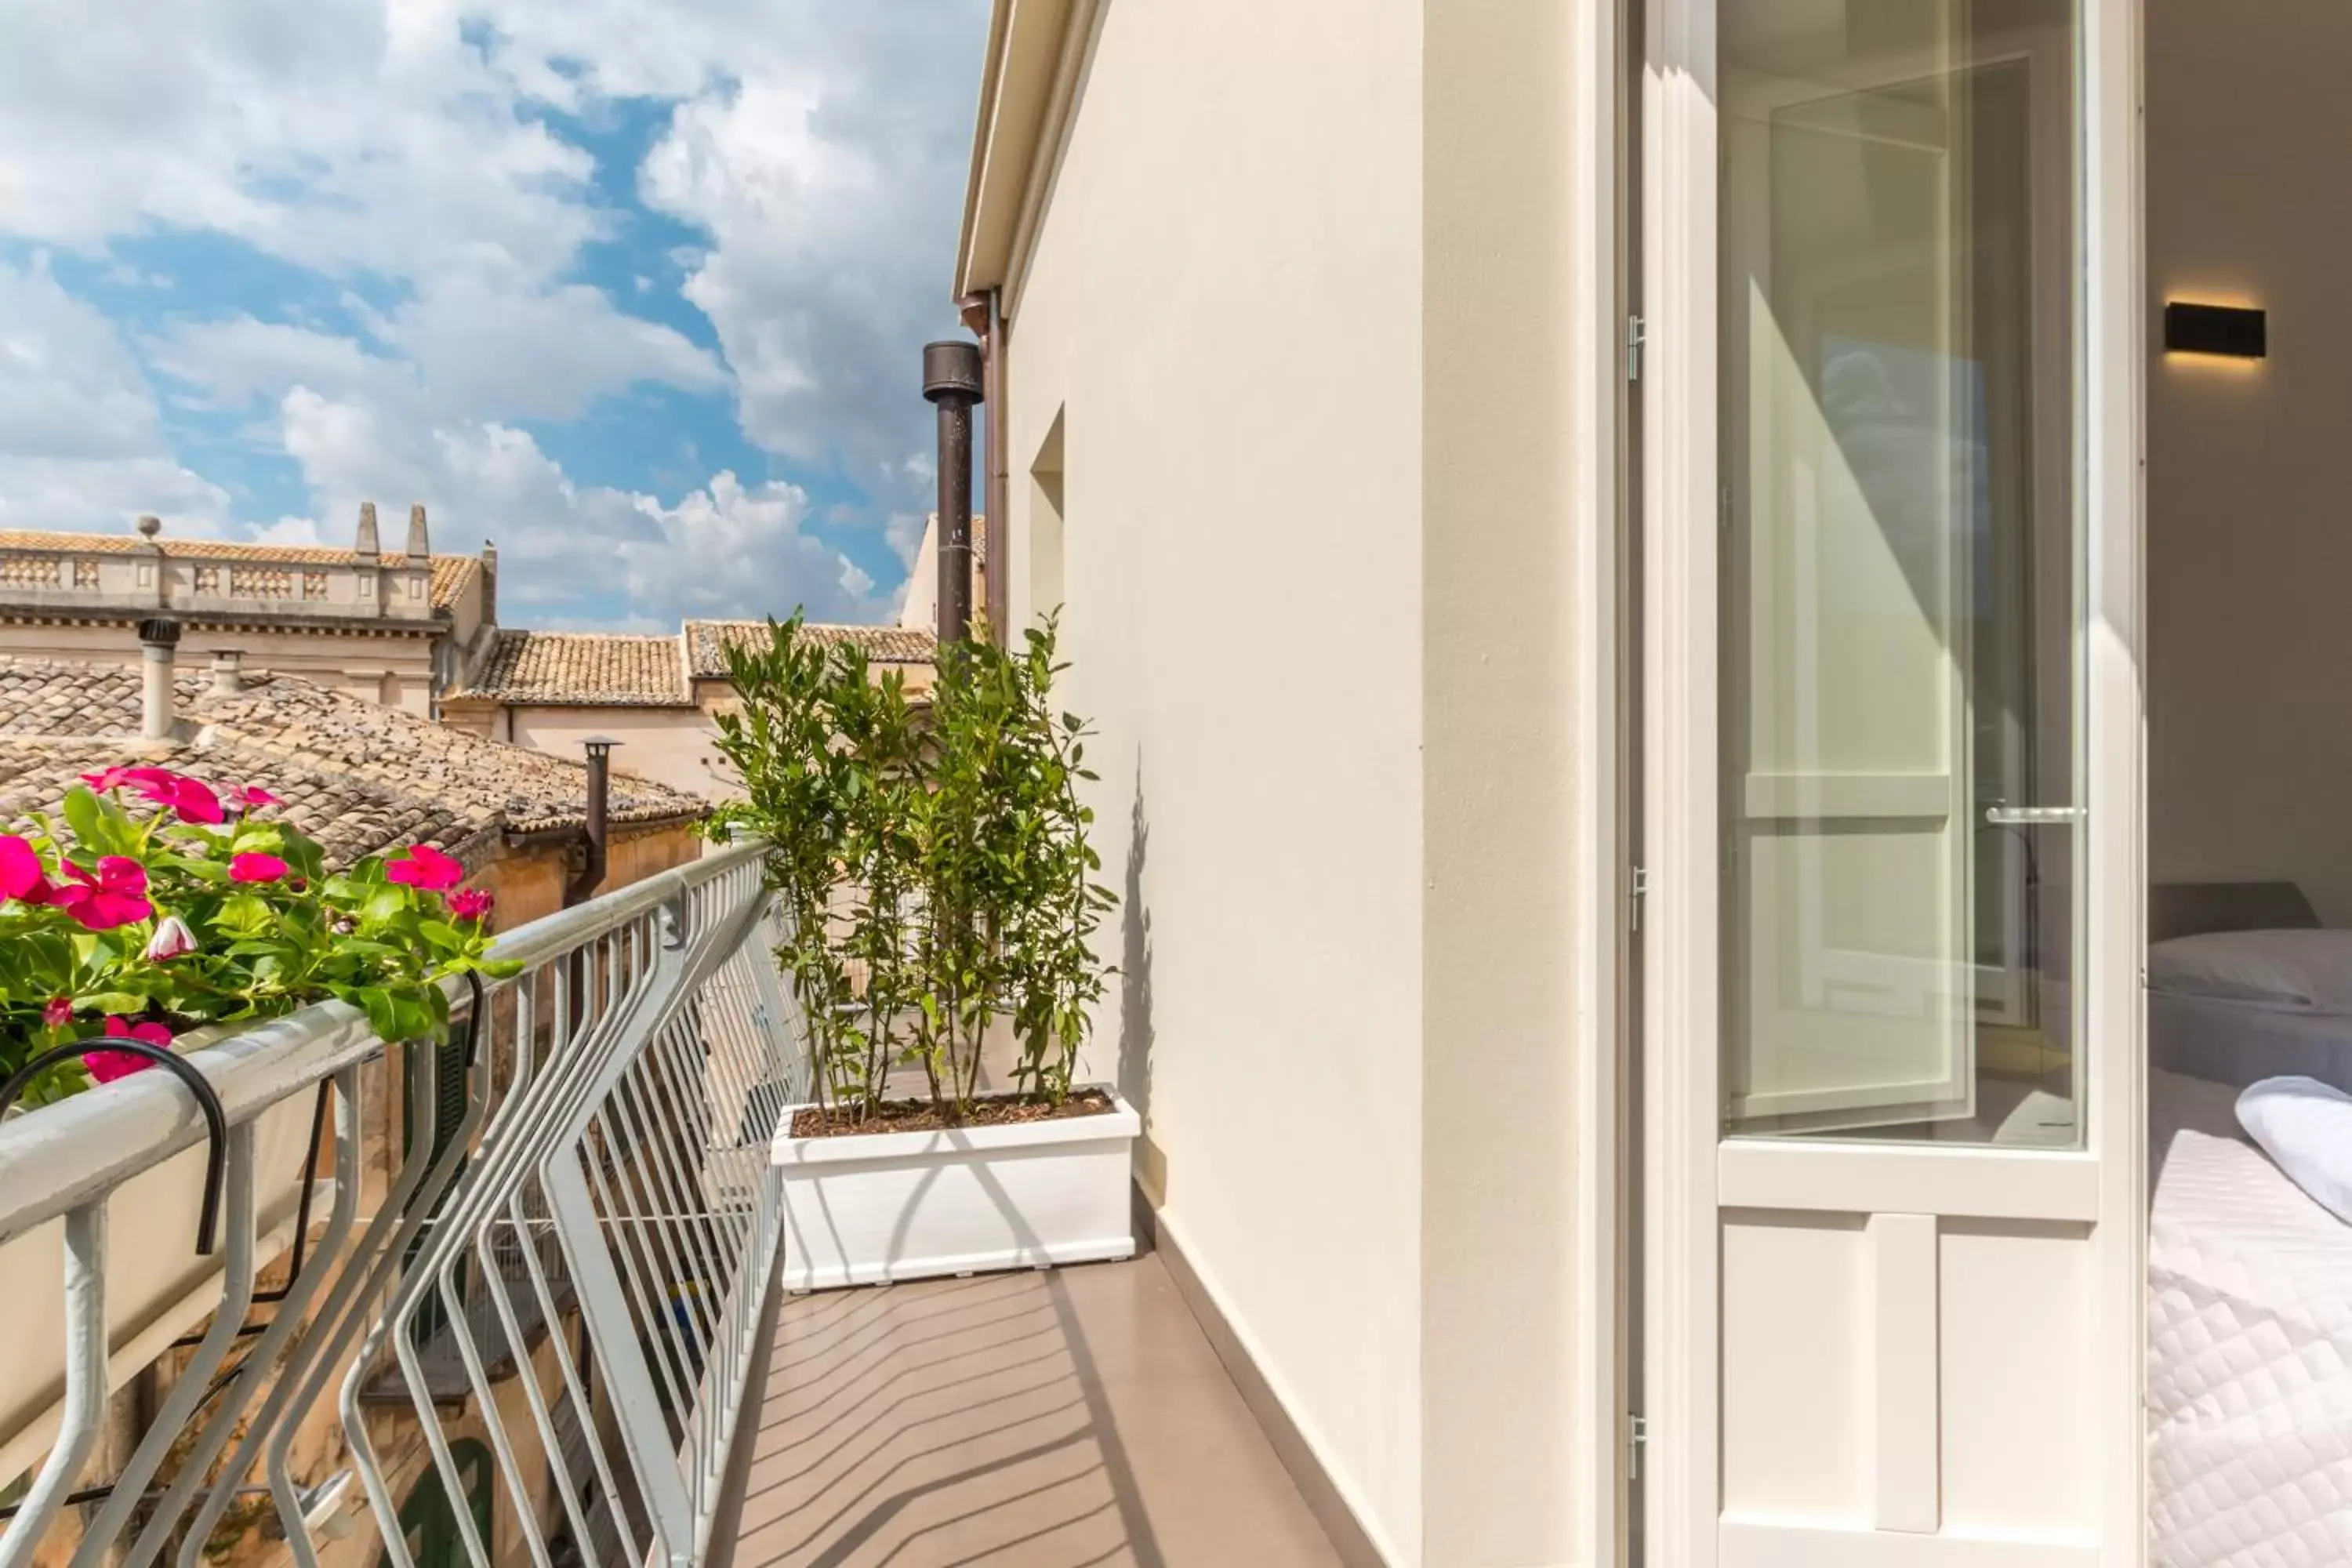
2307, 971
2304, 1126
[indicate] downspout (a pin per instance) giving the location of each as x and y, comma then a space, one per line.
953, 381
983, 313
600, 791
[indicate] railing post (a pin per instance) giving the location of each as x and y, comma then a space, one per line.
85, 1406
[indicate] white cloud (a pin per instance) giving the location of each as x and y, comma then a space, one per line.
341, 134
469, 349
495, 350
103, 496
81, 442
68, 388
402, 146
830, 183
723, 549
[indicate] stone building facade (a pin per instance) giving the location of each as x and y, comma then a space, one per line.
401, 626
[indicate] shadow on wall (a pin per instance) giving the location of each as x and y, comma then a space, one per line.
1135, 1036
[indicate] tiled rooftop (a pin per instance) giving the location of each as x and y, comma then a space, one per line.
590, 668
450, 573
707, 642
355, 775
349, 817
76, 701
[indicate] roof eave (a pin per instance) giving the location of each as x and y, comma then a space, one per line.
1016, 91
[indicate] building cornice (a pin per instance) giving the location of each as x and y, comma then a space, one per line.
437, 624
1028, 88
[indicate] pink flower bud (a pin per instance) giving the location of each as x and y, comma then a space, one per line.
172, 938
471, 904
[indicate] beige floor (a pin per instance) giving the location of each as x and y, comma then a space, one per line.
1043, 1420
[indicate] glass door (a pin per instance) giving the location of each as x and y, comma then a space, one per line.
1900, 533
1891, 1050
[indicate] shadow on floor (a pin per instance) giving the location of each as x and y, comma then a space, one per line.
1060, 1419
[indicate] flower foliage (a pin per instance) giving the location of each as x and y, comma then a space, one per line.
152, 903
932, 855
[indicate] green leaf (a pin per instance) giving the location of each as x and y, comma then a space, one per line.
121, 1002
85, 818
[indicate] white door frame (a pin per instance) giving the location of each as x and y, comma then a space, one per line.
2103, 1185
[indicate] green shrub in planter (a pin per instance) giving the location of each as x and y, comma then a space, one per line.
932, 853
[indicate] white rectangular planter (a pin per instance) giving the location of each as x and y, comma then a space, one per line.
864, 1208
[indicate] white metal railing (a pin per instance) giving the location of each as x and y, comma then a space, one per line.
554, 1300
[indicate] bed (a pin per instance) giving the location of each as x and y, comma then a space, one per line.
2243, 986
2250, 1348
2250, 1280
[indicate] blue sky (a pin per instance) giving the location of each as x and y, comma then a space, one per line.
636, 287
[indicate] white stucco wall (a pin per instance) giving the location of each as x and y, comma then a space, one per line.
667, 745
1222, 310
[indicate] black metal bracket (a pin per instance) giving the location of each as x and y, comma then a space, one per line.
215, 1120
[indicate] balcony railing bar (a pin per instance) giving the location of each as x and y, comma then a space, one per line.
607, 1177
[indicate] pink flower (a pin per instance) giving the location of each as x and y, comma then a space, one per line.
114, 896
21, 875
191, 799
253, 797
471, 904
107, 1065
115, 778
172, 938
253, 866
425, 868
59, 1013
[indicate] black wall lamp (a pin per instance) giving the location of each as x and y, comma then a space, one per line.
2232, 331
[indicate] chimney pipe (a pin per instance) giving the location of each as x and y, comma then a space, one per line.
983, 313
228, 672
158, 640
952, 380
600, 791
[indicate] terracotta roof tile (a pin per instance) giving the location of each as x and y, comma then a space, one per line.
707, 642
67, 700
349, 817
597, 669
356, 774
450, 573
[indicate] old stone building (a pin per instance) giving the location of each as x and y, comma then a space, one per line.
399, 627
656, 695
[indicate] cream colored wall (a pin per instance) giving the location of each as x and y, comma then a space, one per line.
1499, 1253
354, 664
2250, 536
1223, 295
667, 745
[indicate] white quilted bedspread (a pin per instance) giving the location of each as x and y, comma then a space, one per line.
2250, 1367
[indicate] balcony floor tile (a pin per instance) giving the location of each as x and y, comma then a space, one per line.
1065, 1419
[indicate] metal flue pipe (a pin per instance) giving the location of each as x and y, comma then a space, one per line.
953, 381
600, 794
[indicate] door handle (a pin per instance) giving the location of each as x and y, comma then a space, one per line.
2002, 816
